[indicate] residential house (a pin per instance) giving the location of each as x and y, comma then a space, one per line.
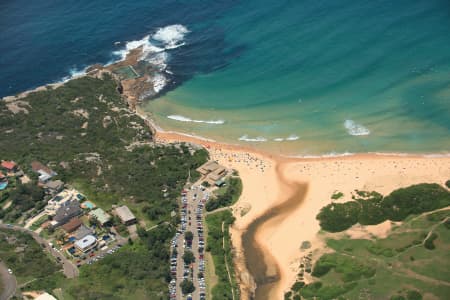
125, 215
45, 173
82, 231
66, 212
54, 186
72, 225
9, 166
87, 243
100, 215
59, 200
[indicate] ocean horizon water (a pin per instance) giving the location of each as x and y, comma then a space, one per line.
294, 77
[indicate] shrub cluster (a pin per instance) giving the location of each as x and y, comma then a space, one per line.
222, 290
232, 193
397, 206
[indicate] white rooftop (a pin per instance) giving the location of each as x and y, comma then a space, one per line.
86, 242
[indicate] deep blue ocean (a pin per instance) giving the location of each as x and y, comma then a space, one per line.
299, 77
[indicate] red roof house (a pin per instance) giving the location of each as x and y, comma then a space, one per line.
9, 165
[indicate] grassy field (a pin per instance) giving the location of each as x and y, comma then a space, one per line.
397, 266
221, 254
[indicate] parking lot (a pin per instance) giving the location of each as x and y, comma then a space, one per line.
193, 200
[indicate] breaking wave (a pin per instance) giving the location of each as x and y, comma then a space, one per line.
354, 128
292, 137
186, 119
246, 138
74, 73
171, 36
155, 49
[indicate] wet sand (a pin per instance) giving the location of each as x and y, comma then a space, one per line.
259, 262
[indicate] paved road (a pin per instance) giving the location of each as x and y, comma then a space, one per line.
8, 282
70, 270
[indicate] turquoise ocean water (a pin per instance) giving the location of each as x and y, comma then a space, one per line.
324, 77
298, 77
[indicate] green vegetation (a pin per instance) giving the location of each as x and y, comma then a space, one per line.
339, 216
104, 148
24, 197
447, 184
39, 222
188, 257
385, 268
188, 235
138, 271
349, 268
25, 257
428, 243
372, 208
228, 197
337, 195
84, 131
187, 287
218, 244
415, 199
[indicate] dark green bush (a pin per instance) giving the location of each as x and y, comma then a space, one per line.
415, 199
429, 242
232, 193
413, 295
371, 211
337, 217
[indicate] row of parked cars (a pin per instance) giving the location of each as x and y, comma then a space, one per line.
201, 246
102, 255
174, 246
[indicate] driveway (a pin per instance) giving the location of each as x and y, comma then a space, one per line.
70, 270
8, 282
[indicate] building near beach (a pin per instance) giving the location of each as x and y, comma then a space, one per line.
66, 212
87, 243
101, 216
10, 166
125, 215
45, 173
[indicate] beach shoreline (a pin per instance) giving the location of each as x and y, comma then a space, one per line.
268, 179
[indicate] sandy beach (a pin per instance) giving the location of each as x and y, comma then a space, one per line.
268, 181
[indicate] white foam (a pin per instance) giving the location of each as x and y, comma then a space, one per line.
159, 82
171, 36
292, 137
326, 155
356, 129
147, 47
246, 138
165, 38
74, 73
186, 119
158, 59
